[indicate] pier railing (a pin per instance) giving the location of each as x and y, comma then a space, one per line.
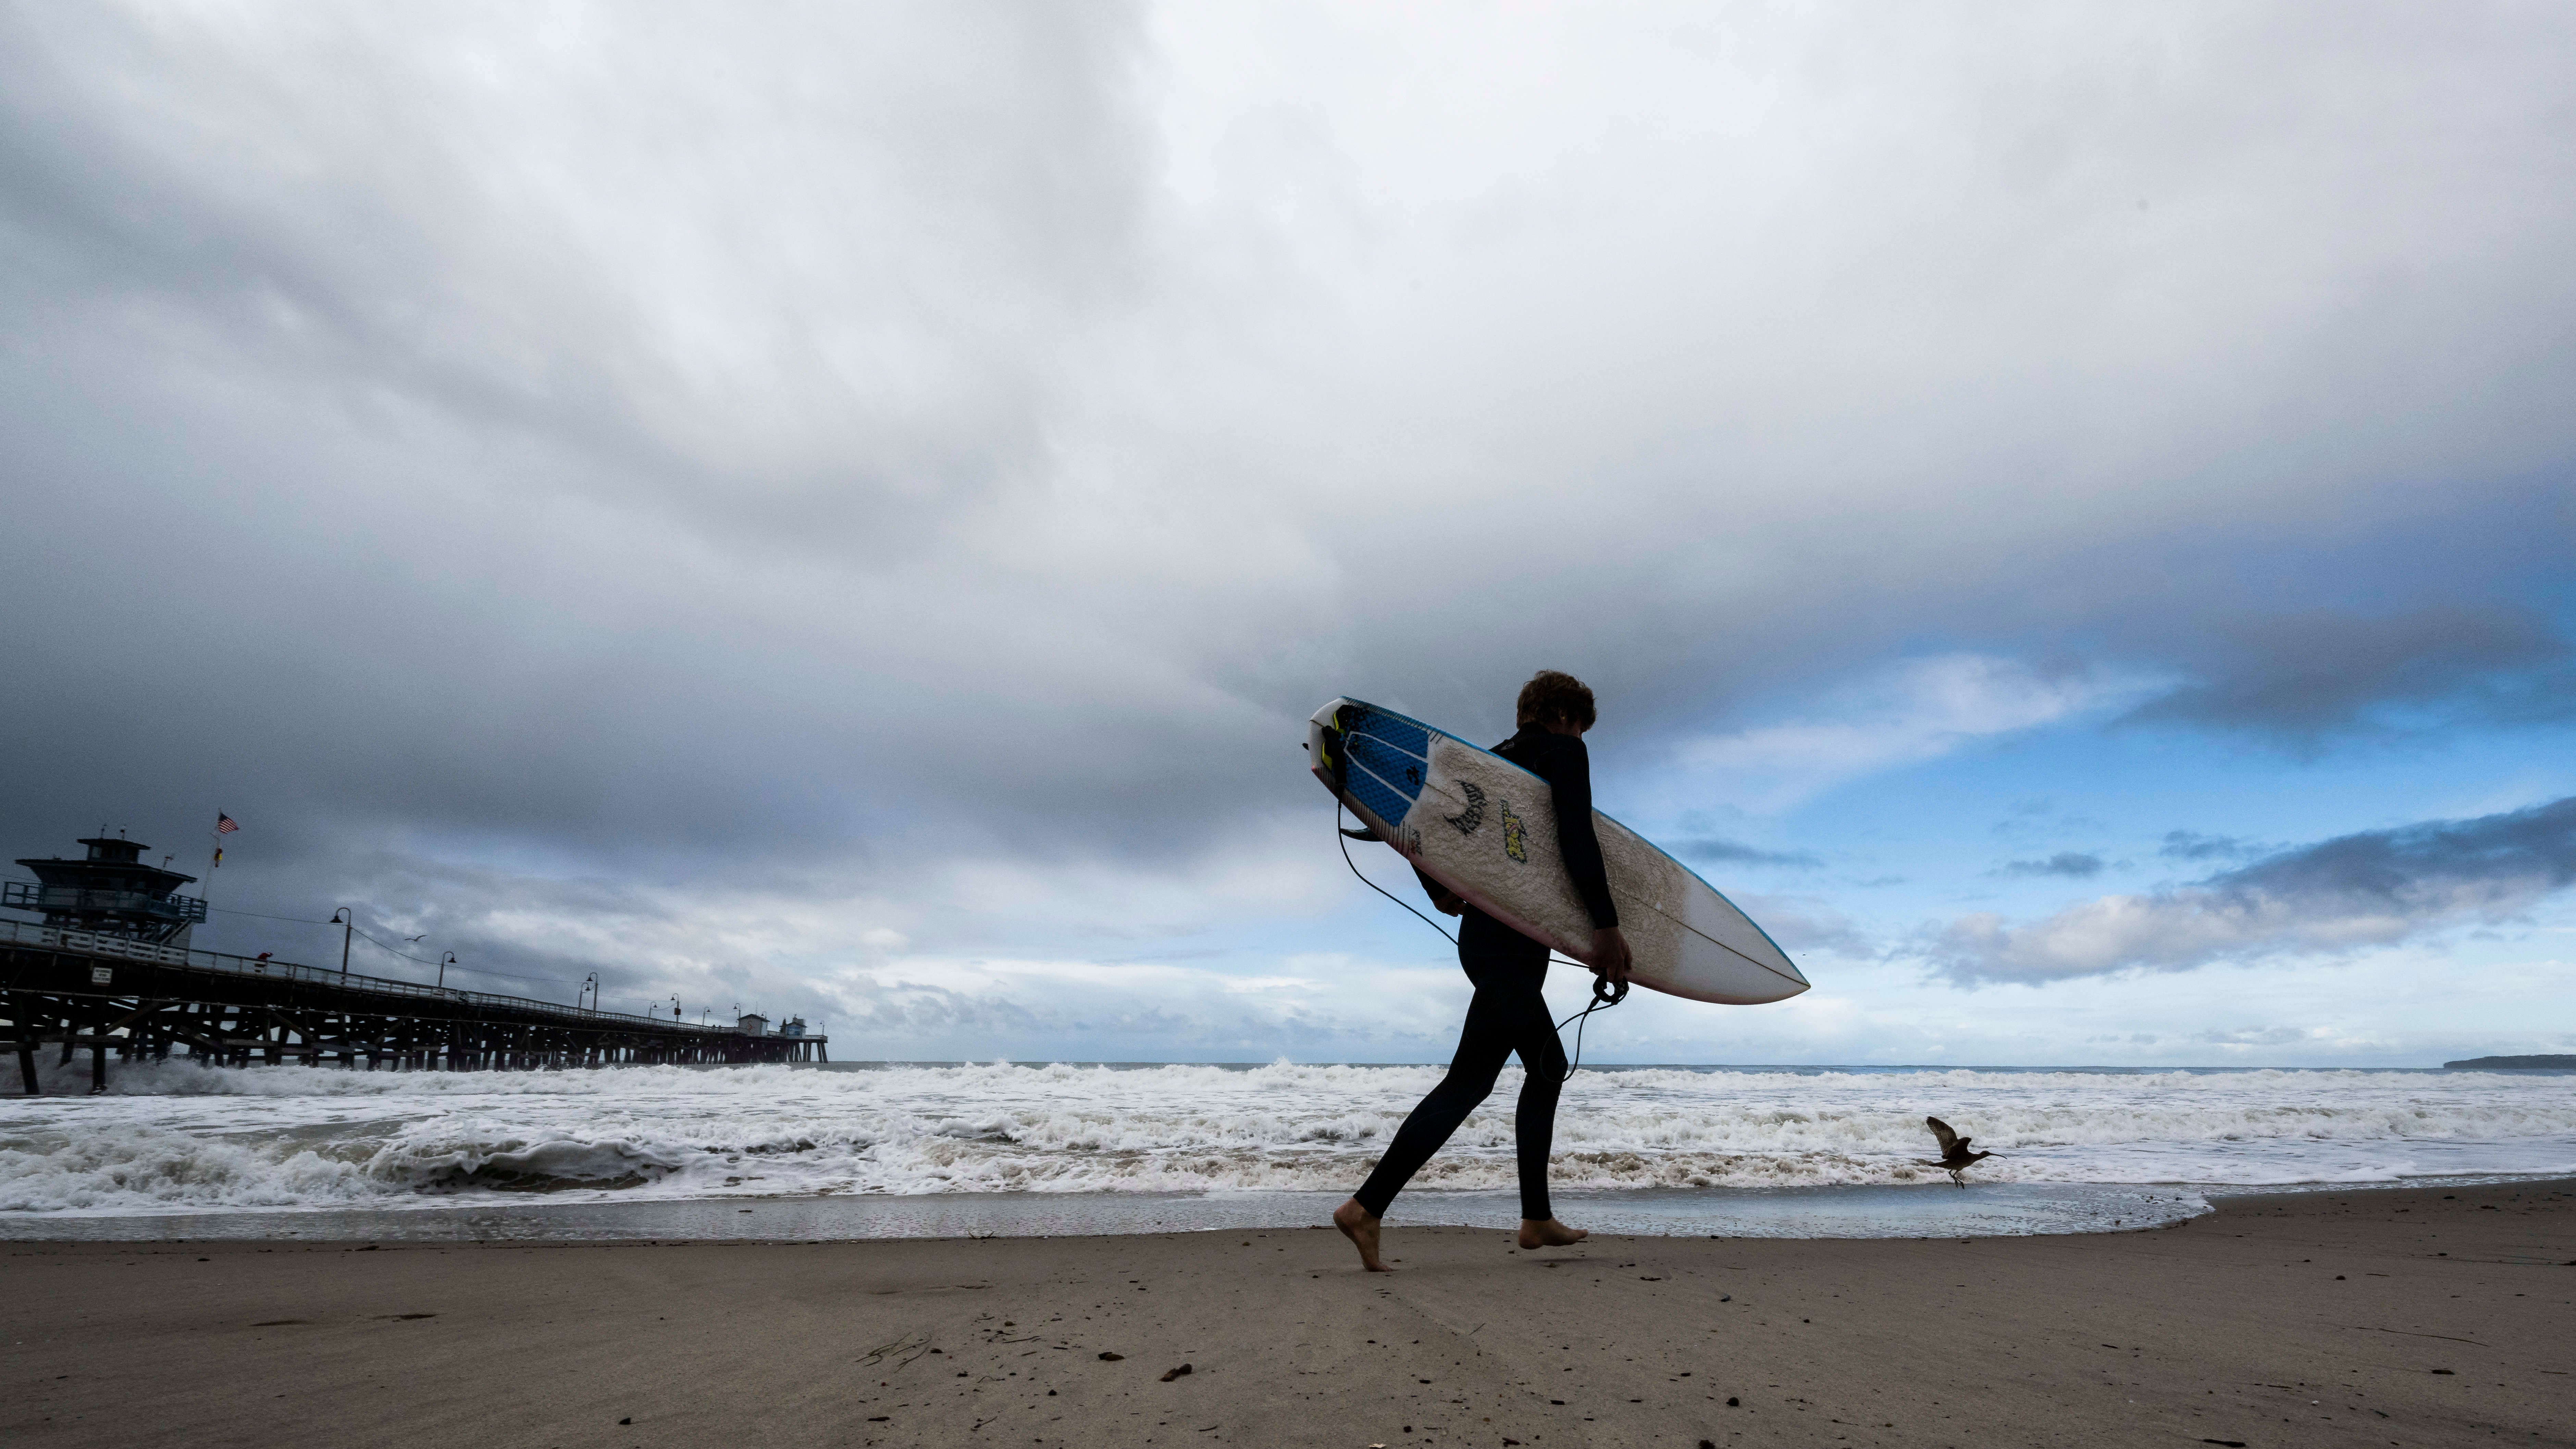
27, 895
96, 943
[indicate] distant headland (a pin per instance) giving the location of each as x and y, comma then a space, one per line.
2563, 1063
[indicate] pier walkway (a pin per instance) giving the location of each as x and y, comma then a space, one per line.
115, 995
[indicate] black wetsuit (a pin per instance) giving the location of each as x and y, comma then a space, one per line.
1508, 1014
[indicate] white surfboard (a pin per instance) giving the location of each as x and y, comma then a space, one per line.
1486, 828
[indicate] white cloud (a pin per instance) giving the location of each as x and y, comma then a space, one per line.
1920, 710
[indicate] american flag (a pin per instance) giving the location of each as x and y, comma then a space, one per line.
224, 824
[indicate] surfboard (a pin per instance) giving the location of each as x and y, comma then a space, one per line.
1486, 828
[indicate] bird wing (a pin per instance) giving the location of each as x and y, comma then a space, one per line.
1942, 1134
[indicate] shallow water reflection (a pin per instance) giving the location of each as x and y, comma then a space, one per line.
1987, 1210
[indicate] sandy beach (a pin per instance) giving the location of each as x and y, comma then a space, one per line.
2420, 1316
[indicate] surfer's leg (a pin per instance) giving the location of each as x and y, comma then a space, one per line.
1534, 1119
1483, 1047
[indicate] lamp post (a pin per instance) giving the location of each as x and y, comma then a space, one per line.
590, 986
347, 920
445, 960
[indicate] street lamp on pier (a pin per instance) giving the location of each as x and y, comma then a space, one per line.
347, 920
445, 960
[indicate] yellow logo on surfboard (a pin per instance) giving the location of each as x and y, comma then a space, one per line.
1515, 835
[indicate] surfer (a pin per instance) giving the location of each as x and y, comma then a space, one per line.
1508, 1013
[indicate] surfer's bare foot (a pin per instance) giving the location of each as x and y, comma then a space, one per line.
1550, 1234
1361, 1226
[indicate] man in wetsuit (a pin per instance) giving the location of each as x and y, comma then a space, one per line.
1508, 1013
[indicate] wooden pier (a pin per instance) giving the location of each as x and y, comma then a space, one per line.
115, 995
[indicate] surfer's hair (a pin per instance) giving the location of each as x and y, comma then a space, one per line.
1553, 694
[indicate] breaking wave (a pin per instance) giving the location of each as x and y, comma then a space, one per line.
176, 1137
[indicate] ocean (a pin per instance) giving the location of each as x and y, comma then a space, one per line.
177, 1150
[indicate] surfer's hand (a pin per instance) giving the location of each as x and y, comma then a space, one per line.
1610, 955
1448, 903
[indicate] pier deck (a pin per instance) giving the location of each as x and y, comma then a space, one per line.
113, 995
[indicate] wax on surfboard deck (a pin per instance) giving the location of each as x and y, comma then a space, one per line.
1486, 828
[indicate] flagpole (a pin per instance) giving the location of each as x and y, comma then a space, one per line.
215, 861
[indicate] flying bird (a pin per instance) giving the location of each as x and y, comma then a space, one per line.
1955, 1156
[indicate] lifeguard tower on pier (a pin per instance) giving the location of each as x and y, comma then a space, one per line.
111, 892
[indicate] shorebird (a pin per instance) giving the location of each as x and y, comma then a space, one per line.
1955, 1156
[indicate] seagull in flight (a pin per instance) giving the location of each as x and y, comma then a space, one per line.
1955, 1156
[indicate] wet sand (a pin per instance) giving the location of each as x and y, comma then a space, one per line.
2296, 1319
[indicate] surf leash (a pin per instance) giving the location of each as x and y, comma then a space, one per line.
1605, 992
1345, 839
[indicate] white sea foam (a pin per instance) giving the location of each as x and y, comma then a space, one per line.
181, 1138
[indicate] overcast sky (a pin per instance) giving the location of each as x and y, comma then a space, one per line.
844, 509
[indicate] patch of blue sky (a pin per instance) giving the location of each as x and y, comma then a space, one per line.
2116, 792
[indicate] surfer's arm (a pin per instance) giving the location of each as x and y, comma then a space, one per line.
1570, 783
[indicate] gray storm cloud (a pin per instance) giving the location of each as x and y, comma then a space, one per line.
1736, 852
2300, 677
2374, 888
2080, 865
814, 453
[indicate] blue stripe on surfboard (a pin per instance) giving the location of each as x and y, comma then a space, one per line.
1411, 736
1378, 796
1390, 760
1403, 773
